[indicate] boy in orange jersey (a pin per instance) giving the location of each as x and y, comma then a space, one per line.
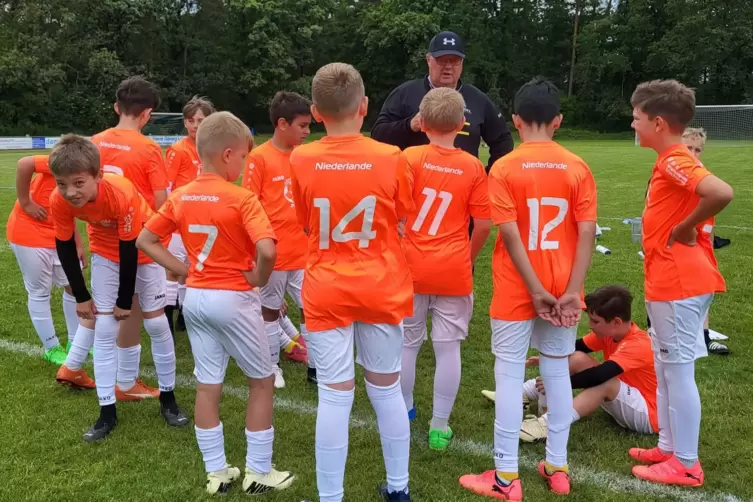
680, 277
127, 152
543, 198
450, 188
267, 174
115, 212
32, 239
183, 166
231, 251
349, 193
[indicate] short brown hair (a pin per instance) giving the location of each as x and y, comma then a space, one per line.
288, 105
337, 90
74, 154
668, 99
219, 131
610, 302
196, 104
442, 109
695, 132
136, 94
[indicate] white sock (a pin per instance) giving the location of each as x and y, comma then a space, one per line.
80, 345
332, 418
212, 446
408, 374
285, 340
259, 452
273, 331
105, 357
171, 293
163, 351
41, 318
574, 417
529, 390
128, 366
288, 327
394, 431
71, 318
181, 293
508, 413
446, 382
684, 410
556, 376
666, 441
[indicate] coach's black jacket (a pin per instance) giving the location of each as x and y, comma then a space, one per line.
483, 120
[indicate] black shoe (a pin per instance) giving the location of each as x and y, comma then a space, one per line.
401, 496
170, 411
720, 242
311, 375
180, 322
717, 348
101, 429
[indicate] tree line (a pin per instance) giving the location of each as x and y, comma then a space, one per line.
61, 60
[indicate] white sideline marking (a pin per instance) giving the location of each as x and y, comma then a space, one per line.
733, 227
603, 479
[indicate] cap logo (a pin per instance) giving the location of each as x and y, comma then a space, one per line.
448, 41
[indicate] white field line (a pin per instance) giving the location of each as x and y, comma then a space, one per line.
733, 227
602, 479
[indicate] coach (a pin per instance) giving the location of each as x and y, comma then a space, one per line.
397, 123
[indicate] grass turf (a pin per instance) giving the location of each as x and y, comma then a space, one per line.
41, 424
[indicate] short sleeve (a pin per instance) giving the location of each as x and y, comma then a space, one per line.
631, 354
479, 200
253, 175
585, 203
255, 220
683, 170
42, 164
404, 204
163, 222
301, 209
592, 342
156, 168
129, 215
186, 170
501, 199
62, 218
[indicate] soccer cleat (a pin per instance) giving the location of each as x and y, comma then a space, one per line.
311, 376
492, 396
77, 379
718, 348
558, 481
100, 429
412, 414
533, 429
486, 484
301, 341
401, 496
439, 439
139, 391
56, 355
671, 472
279, 380
256, 484
297, 353
173, 416
220, 481
649, 456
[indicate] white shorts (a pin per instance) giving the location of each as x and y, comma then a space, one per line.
677, 328
40, 268
629, 409
379, 350
223, 324
177, 249
450, 316
279, 282
151, 285
510, 339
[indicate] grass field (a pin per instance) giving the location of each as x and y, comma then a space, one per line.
43, 457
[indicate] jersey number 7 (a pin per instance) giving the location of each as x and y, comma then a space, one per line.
211, 232
367, 205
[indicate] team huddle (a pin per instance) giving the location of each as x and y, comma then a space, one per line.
369, 241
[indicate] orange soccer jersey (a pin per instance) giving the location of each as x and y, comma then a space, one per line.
131, 154
267, 174
24, 230
349, 193
117, 214
182, 163
636, 358
679, 271
220, 224
449, 187
547, 191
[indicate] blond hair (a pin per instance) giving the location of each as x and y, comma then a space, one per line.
74, 154
337, 90
695, 133
219, 131
668, 99
442, 109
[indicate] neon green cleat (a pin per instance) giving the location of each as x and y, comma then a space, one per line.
439, 439
55, 355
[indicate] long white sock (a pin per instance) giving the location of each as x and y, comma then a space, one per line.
105, 358
305, 334
128, 366
556, 376
574, 416
446, 382
408, 374
666, 440
394, 431
41, 318
171, 293
332, 417
684, 410
508, 413
71, 318
212, 446
163, 351
288, 327
181, 293
273, 331
259, 450
529, 389
80, 346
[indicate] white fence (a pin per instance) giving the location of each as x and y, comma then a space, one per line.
47, 142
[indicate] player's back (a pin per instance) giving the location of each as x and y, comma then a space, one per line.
182, 163
546, 190
25, 230
349, 192
131, 154
449, 187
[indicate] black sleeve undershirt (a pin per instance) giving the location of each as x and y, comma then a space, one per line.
129, 257
596, 375
68, 256
580, 346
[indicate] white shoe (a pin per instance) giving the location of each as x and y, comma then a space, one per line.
256, 484
220, 481
533, 429
492, 396
279, 380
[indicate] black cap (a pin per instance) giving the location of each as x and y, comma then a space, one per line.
447, 43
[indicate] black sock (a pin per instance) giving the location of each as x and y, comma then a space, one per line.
107, 413
167, 398
169, 309
706, 337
